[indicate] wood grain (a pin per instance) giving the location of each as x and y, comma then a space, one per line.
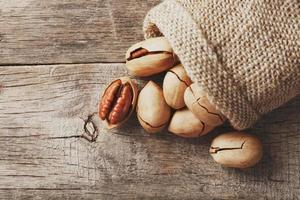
47, 113
77, 31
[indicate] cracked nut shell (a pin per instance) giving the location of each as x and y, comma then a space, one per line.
236, 149
150, 57
118, 101
152, 110
175, 83
196, 100
185, 124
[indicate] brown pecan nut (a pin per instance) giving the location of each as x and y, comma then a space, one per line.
152, 110
196, 100
185, 124
175, 83
118, 101
150, 57
236, 149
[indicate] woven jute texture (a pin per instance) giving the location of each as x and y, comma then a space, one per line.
244, 53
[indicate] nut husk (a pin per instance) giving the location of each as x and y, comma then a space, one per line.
152, 110
196, 100
175, 83
150, 57
236, 149
125, 81
185, 124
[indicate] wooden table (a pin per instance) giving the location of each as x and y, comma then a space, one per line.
56, 57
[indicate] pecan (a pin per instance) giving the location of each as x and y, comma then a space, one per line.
118, 101
185, 124
150, 57
122, 105
108, 98
175, 83
236, 149
152, 110
196, 99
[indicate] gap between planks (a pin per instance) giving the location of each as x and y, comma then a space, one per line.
56, 64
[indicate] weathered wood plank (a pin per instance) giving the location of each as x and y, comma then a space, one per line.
43, 112
77, 31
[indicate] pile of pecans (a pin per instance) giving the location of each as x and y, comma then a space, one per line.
180, 104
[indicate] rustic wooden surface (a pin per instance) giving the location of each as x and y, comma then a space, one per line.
77, 31
55, 58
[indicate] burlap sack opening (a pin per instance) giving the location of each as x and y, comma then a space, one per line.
245, 54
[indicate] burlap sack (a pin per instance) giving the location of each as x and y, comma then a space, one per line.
244, 53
